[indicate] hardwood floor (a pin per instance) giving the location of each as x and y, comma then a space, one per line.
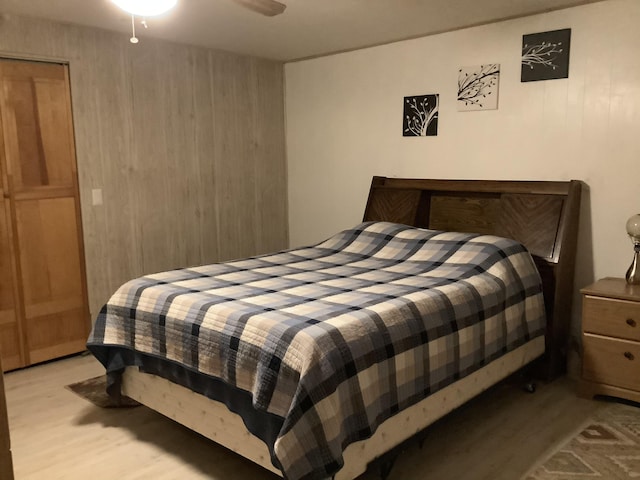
57, 435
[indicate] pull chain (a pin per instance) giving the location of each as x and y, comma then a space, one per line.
133, 39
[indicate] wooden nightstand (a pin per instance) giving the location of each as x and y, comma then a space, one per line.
611, 339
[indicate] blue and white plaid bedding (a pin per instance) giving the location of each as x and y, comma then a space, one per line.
338, 337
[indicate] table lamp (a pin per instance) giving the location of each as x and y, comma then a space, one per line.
633, 229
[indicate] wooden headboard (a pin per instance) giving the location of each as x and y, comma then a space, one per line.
543, 216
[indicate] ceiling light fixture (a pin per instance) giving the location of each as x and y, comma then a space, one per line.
144, 8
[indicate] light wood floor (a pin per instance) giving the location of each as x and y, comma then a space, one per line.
57, 435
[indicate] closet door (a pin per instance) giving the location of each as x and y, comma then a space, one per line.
11, 347
42, 189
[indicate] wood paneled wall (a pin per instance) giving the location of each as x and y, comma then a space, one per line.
186, 143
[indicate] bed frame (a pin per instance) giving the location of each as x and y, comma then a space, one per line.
541, 215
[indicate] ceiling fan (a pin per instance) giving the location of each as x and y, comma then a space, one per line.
270, 8
150, 8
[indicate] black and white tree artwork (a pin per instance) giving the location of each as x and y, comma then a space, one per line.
420, 116
545, 56
478, 87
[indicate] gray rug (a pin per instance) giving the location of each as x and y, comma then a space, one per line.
606, 447
95, 391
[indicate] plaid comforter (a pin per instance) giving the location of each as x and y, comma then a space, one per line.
337, 337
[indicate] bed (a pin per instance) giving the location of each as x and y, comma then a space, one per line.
313, 362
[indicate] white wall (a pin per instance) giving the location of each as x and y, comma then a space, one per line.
344, 125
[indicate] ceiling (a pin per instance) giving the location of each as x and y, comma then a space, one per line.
307, 28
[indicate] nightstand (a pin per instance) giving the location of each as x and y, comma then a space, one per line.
611, 339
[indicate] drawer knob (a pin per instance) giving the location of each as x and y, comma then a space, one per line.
631, 322
628, 355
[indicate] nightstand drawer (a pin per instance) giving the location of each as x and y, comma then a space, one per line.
611, 317
611, 361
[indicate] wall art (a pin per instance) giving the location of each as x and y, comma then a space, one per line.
478, 87
420, 117
545, 56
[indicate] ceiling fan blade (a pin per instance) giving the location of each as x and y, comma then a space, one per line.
270, 8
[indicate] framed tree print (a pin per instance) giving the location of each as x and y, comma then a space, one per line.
478, 87
545, 56
420, 116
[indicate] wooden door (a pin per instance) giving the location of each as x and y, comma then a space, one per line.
11, 346
41, 197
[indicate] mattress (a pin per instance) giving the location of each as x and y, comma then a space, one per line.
315, 347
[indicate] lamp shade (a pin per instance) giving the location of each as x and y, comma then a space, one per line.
146, 8
633, 227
